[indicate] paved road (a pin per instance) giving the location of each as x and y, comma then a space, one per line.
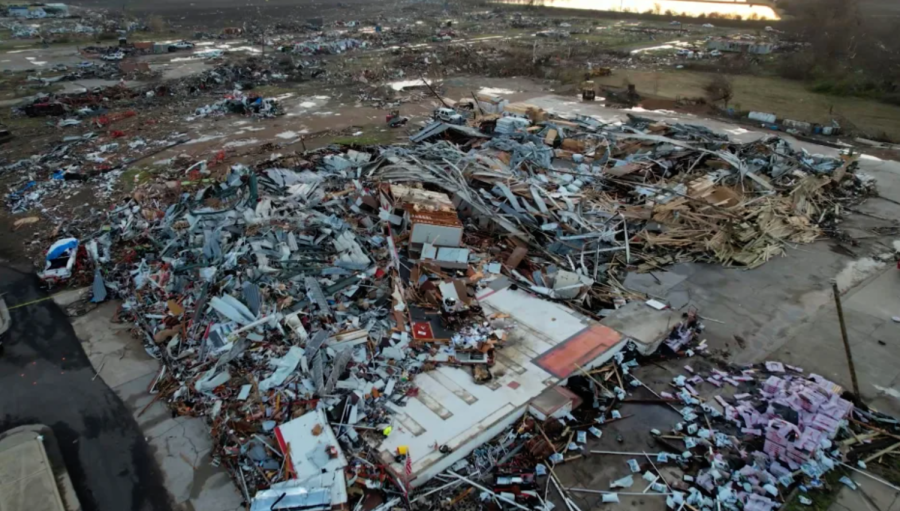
45, 377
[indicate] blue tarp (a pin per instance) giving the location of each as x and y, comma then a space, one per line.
61, 248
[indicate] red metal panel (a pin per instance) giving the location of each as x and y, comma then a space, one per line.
578, 350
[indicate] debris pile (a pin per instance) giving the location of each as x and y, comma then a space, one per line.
590, 197
777, 435
239, 103
82, 71
279, 291
797, 419
87, 103
89, 160
327, 46
226, 78
309, 290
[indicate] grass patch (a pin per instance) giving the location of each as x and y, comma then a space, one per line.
888, 469
491, 32
611, 38
18, 124
822, 499
856, 86
269, 91
787, 99
19, 44
369, 137
135, 176
165, 35
16, 85
13, 90
35, 44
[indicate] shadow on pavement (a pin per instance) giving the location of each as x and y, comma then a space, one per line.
46, 377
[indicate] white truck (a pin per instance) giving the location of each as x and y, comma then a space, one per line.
449, 116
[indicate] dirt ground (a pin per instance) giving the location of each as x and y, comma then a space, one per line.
785, 98
340, 108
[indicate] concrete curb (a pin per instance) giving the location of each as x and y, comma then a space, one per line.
49, 455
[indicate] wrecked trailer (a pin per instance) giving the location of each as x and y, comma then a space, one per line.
43, 108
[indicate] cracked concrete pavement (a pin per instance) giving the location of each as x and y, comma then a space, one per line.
182, 446
869, 496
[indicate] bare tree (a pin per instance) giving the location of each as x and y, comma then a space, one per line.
833, 29
156, 24
846, 51
719, 89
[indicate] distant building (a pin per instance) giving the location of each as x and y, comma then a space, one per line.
27, 11
36, 13
17, 11
737, 46
57, 10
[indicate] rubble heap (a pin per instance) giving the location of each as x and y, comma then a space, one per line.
85, 160
797, 418
229, 77
243, 104
326, 281
276, 292
323, 46
746, 438
680, 190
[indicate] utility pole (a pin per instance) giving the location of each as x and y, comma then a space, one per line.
433, 91
260, 17
477, 104
840, 312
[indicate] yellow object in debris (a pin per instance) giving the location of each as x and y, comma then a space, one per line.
403, 450
387, 431
39, 300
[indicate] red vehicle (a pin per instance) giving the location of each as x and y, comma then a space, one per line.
52, 108
395, 120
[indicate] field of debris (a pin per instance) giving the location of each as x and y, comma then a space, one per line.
237, 12
383, 251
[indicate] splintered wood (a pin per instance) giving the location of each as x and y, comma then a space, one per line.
703, 220
746, 233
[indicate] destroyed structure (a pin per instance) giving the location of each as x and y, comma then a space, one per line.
425, 324
357, 323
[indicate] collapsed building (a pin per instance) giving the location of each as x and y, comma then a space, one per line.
356, 321
364, 322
